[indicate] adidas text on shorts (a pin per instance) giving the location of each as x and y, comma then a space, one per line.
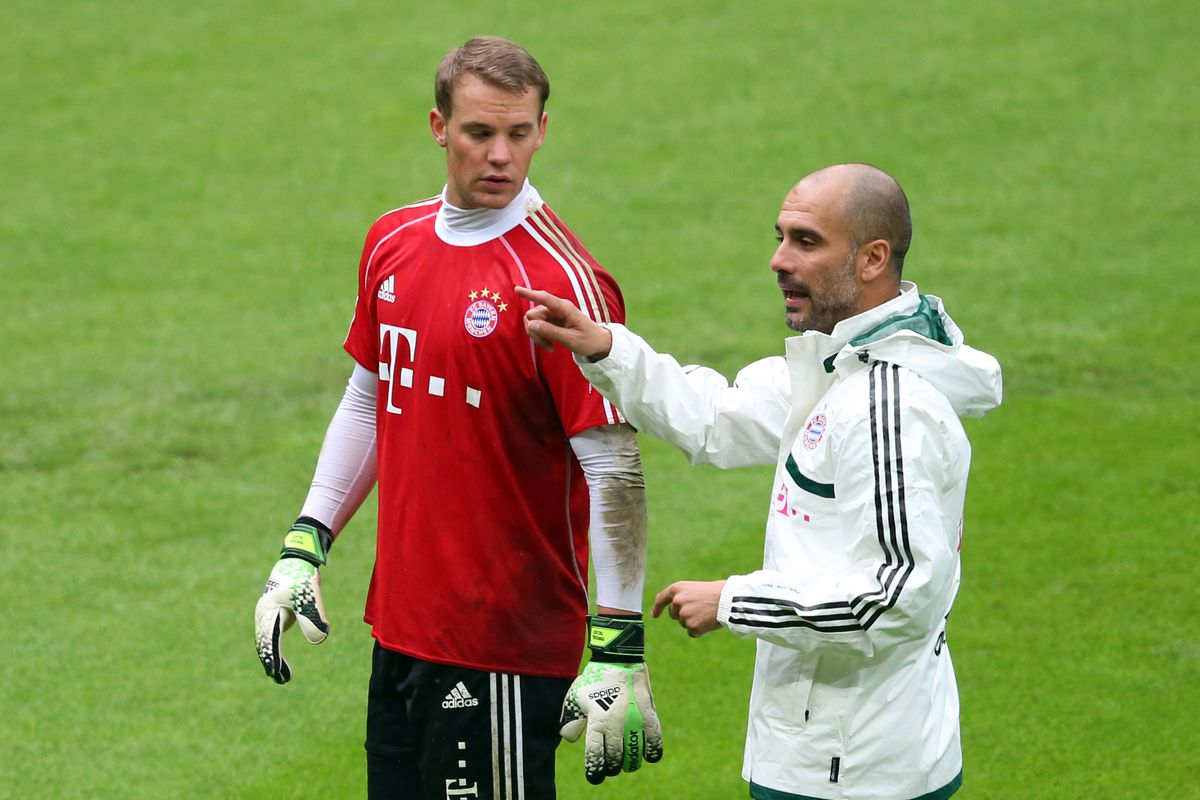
441, 732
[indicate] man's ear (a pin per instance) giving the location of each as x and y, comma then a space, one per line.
874, 260
437, 126
541, 136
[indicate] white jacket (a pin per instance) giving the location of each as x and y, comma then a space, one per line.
854, 693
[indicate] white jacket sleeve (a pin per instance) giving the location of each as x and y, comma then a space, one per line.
899, 504
347, 467
694, 408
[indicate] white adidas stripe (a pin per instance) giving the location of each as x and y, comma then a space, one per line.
587, 277
588, 295
493, 695
590, 283
375, 249
508, 741
520, 738
580, 300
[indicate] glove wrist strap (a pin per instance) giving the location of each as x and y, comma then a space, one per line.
617, 640
308, 540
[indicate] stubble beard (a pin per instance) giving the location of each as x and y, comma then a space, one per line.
832, 302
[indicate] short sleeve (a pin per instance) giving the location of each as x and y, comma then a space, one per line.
579, 405
361, 342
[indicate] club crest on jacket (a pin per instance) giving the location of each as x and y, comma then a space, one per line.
813, 431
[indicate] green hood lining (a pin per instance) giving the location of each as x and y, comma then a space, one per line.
925, 321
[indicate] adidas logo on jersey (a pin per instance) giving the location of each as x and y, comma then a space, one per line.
387, 289
459, 697
605, 697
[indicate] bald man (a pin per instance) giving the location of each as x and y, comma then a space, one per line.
854, 693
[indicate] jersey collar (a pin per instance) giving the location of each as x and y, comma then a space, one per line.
467, 227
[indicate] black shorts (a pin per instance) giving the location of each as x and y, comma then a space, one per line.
439, 732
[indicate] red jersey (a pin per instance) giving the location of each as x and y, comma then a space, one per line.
481, 556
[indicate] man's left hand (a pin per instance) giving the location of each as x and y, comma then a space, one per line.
612, 701
693, 604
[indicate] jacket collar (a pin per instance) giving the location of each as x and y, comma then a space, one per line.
903, 304
911, 330
828, 345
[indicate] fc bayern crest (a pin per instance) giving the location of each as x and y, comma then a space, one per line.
483, 314
813, 431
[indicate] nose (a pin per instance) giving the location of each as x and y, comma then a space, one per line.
498, 153
779, 262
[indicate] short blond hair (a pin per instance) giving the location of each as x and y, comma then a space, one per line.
497, 61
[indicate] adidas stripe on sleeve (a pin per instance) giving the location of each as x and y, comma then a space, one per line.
899, 557
572, 273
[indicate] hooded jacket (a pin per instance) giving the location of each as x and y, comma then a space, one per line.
854, 693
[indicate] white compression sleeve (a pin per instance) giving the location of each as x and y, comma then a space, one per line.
346, 468
617, 528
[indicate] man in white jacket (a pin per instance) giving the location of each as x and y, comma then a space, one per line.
854, 693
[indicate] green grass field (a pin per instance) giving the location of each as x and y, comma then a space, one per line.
183, 194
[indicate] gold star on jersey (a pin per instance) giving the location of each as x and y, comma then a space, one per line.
482, 314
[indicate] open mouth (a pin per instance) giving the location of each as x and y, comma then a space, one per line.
794, 299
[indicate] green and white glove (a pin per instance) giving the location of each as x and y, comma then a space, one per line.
611, 699
293, 594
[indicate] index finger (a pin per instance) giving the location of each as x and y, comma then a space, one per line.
662, 600
539, 297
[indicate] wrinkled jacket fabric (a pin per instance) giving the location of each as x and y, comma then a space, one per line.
854, 693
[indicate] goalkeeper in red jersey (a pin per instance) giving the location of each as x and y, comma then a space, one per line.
498, 469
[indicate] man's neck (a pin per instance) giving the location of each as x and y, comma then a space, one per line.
874, 314
472, 226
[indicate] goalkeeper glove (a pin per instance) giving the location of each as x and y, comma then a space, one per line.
611, 698
293, 594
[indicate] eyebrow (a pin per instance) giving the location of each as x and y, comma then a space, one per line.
483, 126
801, 232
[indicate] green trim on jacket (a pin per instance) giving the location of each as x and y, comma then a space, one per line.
763, 793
